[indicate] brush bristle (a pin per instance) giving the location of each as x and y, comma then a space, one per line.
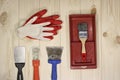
82, 28
54, 53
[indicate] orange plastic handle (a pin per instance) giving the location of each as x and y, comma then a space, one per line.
83, 57
36, 64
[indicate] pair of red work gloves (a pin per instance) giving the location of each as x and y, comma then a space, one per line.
39, 27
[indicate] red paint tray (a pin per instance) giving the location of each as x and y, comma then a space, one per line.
75, 43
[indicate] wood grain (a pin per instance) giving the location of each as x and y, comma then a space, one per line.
107, 28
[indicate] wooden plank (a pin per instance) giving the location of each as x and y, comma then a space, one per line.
110, 49
45, 68
108, 38
53, 8
74, 6
67, 7
7, 68
86, 6
26, 9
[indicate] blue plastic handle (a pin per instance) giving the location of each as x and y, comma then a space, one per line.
54, 68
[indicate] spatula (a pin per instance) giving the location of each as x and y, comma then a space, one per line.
36, 63
19, 55
54, 58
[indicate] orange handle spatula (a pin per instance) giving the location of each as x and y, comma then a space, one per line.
36, 63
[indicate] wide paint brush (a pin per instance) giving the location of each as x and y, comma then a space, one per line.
36, 63
19, 55
83, 35
54, 58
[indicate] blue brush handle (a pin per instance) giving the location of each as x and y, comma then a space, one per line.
54, 68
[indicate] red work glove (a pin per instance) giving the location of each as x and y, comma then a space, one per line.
55, 23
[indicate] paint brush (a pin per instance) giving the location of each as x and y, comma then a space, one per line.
19, 55
54, 58
36, 63
83, 35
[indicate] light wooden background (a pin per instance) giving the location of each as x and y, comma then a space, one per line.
14, 12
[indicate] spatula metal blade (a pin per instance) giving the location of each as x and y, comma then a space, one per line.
54, 53
19, 54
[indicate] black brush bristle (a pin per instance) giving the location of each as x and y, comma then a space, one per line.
54, 53
82, 27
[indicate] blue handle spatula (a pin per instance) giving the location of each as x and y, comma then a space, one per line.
54, 55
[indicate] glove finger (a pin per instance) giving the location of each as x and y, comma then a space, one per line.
55, 27
45, 39
44, 19
56, 22
30, 37
47, 34
42, 38
38, 14
52, 20
49, 37
47, 29
41, 13
31, 20
51, 17
53, 31
43, 24
41, 20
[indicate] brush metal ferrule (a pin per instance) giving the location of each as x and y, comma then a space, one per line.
19, 54
35, 53
83, 34
82, 28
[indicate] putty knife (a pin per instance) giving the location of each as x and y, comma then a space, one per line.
36, 63
19, 55
54, 58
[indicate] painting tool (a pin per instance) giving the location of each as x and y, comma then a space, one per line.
19, 55
54, 58
83, 35
36, 63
